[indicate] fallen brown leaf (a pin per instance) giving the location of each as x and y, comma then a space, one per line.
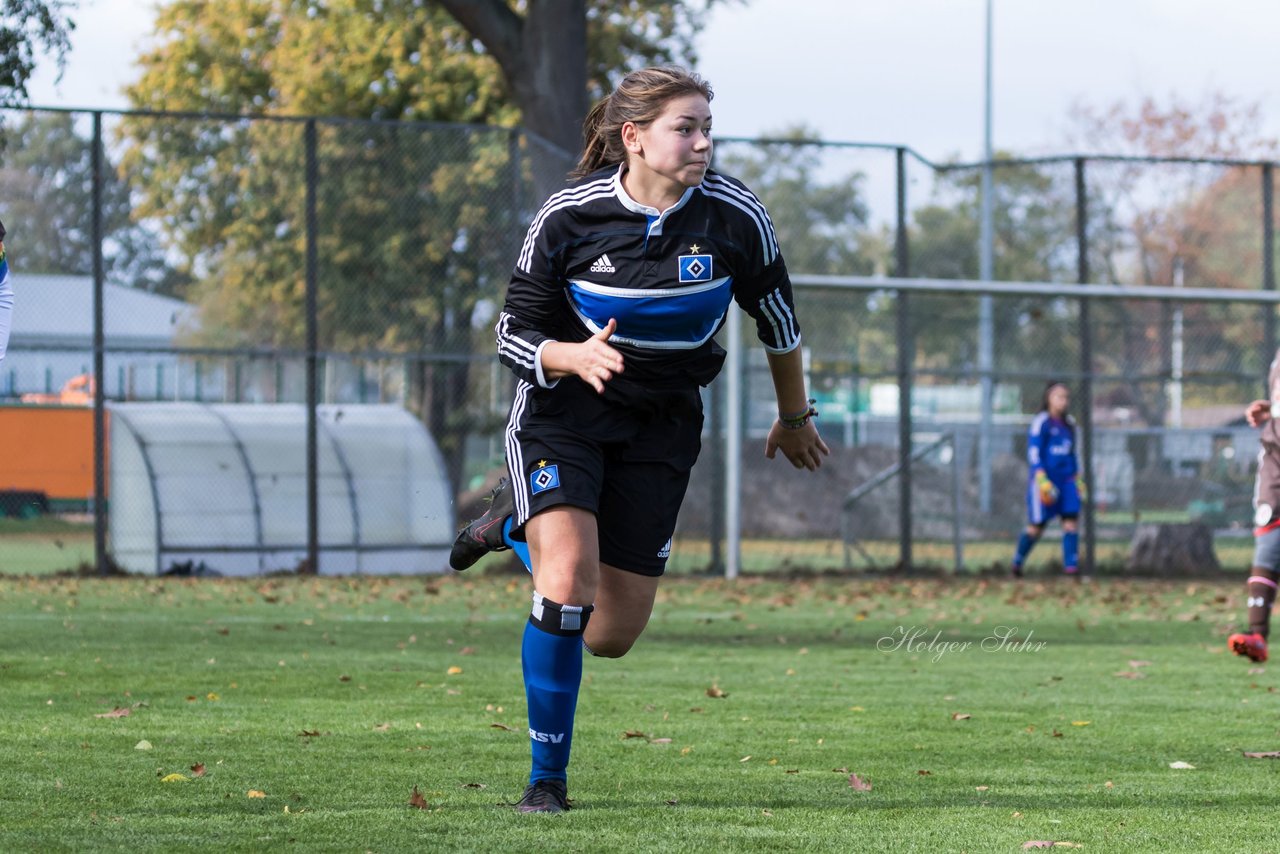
659, 741
254, 793
960, 716
198, 769
860, 785
473, 785
117, 712
382, 727
502, 727
1265, 754
633, 733
924, 773
717, 692
416, 800
309, 733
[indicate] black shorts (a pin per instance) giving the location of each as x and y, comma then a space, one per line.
624, 455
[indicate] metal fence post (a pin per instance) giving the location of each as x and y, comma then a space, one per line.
1086, 362
1268, 265
906, 360
99, 345
718, 468
735, 428
313, 468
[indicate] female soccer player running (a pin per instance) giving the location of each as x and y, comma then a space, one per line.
1054, 487
624, 278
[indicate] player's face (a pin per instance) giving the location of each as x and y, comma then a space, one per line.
677, 144
1059, 399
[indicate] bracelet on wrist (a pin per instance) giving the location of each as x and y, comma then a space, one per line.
795, 422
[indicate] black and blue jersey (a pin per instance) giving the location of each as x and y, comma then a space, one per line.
668, 278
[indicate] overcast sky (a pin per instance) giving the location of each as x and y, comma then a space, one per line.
893, 71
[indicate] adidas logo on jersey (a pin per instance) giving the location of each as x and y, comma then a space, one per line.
603, 265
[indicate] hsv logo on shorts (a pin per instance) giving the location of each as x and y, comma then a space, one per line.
544, 477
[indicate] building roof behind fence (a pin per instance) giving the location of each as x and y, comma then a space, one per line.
52, 310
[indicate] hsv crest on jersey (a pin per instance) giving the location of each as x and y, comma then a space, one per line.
695, 268
603, 265
546, 477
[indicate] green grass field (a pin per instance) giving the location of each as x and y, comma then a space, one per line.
334, 697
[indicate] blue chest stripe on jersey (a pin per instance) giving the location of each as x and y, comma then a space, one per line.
667, 318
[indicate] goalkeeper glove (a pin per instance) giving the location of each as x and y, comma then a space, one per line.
1081, 489
1048, 492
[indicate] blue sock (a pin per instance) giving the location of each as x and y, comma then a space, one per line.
1025, 542
520, 548
1070, 549
552, 658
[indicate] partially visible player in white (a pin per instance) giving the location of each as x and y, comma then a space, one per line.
6, 297
1264, 573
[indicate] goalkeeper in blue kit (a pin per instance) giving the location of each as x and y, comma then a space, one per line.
1054, 487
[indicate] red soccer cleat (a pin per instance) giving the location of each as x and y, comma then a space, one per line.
1252, 646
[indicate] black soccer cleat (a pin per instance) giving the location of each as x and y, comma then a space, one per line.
545, 796
484, 534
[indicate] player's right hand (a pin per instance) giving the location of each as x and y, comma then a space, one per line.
1048, 492
596, 361
1258, 413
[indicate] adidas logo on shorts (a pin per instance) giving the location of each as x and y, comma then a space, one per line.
603, 265
665, 551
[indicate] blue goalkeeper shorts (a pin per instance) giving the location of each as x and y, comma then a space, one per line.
1067, 506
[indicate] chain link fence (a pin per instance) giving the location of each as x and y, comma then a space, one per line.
318, 262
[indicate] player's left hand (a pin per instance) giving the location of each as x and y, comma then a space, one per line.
1081, 489
803, 448
1258, 413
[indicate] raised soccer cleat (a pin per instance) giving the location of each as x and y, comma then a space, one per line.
484, 534
1015, 570
545, 796
1252, 646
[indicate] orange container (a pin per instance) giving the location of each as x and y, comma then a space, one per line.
48, 449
